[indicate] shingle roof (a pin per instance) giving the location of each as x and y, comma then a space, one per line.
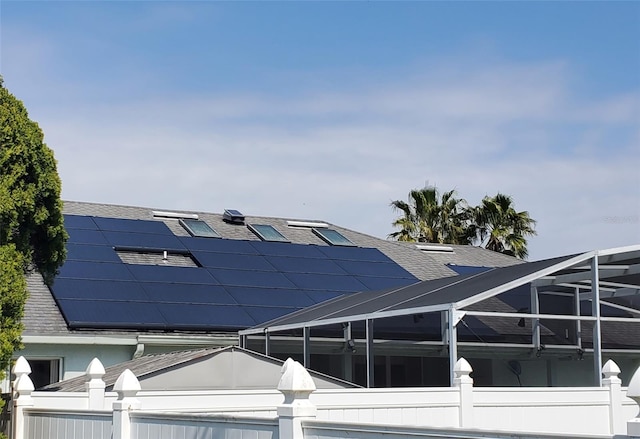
42, 315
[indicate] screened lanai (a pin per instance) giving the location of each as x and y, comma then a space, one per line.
567, 298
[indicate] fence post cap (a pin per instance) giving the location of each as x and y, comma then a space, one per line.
127, 385
295, 378
610, 369
21, 367
24, 386
95, 369
633, 391
462, 368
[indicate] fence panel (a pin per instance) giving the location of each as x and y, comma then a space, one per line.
180, 426
51, 424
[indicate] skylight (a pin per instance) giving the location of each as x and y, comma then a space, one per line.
267, 232
332, 237
199, 228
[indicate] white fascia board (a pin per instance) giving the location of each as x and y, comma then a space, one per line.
81, 340
132, 340
187, 340
524, 280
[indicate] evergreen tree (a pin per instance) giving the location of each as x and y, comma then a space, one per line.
32, 234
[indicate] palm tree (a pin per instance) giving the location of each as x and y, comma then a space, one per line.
499, 227
427, 217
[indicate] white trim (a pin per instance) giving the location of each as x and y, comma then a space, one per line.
132, 340
80, 340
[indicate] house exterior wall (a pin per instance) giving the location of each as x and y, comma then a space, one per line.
75, 357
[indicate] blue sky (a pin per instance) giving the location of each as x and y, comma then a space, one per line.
330, 110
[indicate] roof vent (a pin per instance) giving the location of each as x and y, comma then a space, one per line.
175, 215
308, 224
233, 216
434, 248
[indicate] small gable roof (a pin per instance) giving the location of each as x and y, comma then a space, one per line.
231, 367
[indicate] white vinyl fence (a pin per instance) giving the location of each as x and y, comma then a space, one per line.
296, 410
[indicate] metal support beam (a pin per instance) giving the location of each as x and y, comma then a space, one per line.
535, 323
578, 322
595, 312
306, 348
243, 341
452, 340
267, 342
370, 356
349, 349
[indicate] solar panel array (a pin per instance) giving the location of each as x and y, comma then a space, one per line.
237, 283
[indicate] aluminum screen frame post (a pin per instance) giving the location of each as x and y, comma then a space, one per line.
347, 357
306, 346
535, 323
267, 342
452, 341
595, 312
370, 357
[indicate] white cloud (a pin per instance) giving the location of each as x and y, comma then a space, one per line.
342, 156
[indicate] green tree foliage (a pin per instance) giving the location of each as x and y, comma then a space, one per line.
32, 233
13, 293
30, 205
499, 227
429, 217
446, 219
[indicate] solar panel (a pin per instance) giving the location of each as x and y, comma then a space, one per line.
143, 240
354, 254
267, 232
239, 283
111, 314
132, 226
232, 260
330, 282
293, 250
367, 268
189, 316
79, 222
332, 237
467, 269
270, 297
187, 293
90, 252
243, 278
303, 265
95, 270
384, 283
171, 274
92, 289
321, 296
264, 314
219, 245
81, 236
